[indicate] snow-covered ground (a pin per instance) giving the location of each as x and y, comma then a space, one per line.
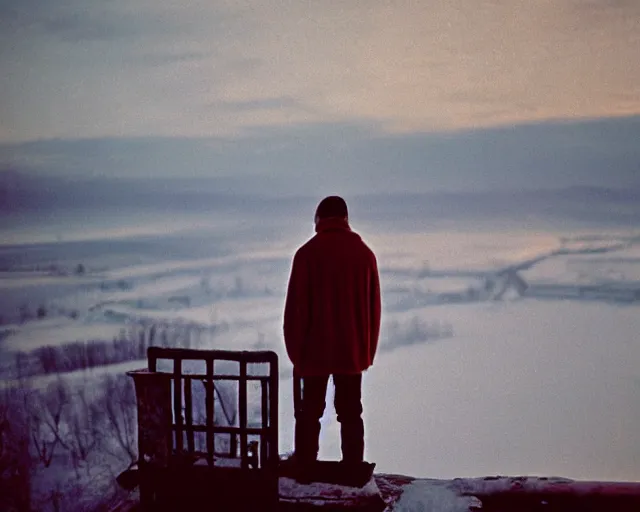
502, 351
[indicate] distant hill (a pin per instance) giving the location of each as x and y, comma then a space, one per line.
29, 191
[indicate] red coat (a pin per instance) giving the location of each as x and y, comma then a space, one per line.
332, 311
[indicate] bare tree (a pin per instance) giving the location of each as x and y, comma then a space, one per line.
118, 402
46, 419
82, 433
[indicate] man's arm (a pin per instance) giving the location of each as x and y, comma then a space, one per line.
376, 308
296, 310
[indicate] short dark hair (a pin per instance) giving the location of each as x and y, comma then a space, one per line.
332, 206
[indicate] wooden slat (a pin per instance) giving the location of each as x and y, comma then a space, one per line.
188, 414
264, 410
152, 359
209, 407
257, 356
242, 393
273, 416
237, 377
203, 376
177, 402
219, 429
224, 377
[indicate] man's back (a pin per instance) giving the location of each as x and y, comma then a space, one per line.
332, 315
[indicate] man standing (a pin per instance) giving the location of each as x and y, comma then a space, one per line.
331, 328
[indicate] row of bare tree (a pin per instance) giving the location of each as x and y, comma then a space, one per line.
65, 441
130, 345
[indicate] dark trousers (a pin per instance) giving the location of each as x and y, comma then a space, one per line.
310, 407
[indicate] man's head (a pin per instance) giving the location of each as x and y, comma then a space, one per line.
332, 206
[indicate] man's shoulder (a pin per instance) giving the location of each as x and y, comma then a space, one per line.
370, 255
368, 250
305, 251
357, 240
321, 243
305, 248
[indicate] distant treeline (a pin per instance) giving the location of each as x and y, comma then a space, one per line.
130, 345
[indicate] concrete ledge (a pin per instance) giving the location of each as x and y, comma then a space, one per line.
399, 493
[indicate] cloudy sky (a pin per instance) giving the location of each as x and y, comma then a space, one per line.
454, 92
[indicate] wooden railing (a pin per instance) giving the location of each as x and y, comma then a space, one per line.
169, 419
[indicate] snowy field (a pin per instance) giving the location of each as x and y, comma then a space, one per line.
503, 350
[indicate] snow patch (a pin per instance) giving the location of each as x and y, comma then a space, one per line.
319, 494
434, 496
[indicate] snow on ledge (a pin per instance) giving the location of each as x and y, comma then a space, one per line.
488, 486
318, 493
434, 496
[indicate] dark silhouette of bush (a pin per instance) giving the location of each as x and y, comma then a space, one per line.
24, 313
15, 460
